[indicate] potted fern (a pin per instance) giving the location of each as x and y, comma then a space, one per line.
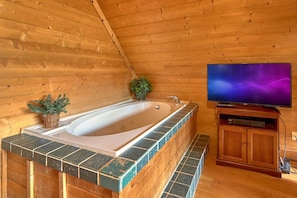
50, 109
140, 87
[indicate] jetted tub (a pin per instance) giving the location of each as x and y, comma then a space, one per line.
111, 130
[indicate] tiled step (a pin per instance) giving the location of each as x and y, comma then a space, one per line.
184, 180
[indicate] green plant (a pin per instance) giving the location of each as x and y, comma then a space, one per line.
140, 87
48, 105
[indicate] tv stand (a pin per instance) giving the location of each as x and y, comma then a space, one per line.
248, 138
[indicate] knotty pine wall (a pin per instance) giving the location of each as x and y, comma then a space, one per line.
55, 46
171, 42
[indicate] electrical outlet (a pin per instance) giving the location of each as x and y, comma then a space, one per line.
294, 135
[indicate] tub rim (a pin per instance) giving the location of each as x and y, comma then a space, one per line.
49, 133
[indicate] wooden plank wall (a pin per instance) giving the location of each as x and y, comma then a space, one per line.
55, 46
52, 47
17, 176
171, 42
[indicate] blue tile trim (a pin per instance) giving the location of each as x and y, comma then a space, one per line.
184, 180
89, 168
109, 172
40, 154
56, 157
71, 162
117, 174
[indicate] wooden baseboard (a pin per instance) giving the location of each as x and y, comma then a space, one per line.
290, 152
274, 173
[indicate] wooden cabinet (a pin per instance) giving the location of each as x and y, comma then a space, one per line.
248, 138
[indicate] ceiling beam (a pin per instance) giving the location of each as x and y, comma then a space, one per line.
113, 37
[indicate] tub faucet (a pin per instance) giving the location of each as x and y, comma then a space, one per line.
176, 99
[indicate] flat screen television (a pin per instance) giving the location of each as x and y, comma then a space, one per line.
266, 84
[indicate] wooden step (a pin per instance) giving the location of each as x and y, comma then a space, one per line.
185, 178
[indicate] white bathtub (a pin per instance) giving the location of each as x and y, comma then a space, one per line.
113, 129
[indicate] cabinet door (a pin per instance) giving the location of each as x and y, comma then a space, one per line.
262, 148
232, 143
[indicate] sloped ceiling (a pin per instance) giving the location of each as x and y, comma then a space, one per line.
177, 38
172, 41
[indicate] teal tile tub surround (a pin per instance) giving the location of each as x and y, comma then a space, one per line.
186, 177
113, 173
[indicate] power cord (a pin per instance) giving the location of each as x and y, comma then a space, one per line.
285, 165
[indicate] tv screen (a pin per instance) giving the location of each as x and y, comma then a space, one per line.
267, 84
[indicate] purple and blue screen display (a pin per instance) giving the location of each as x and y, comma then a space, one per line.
260, 84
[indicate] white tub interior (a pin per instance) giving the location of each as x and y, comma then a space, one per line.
113, 122
91, 130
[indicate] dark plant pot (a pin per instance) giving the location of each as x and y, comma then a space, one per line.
51, 120
140, 97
